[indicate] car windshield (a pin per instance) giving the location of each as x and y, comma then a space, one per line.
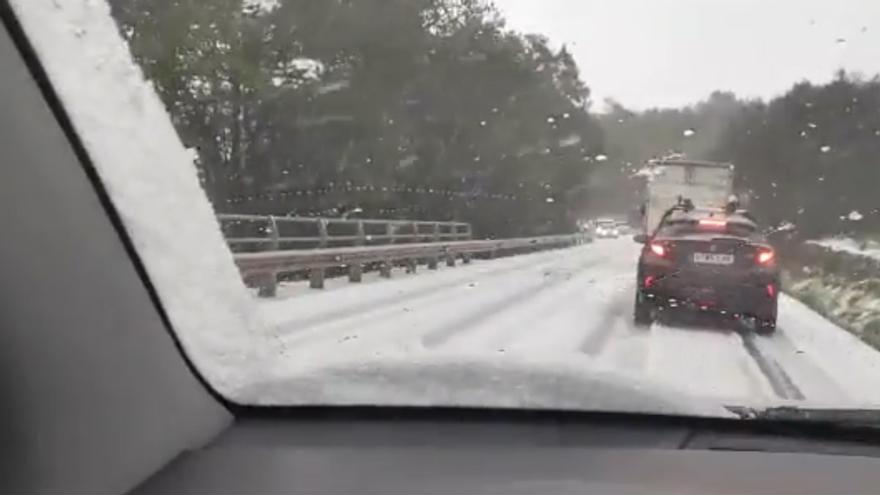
395, 202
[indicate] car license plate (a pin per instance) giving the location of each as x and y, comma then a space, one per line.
713, 258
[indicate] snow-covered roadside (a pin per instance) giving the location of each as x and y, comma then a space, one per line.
152, 182
853, 366
867, 249
853, 305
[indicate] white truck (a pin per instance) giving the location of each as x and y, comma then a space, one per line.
705, 184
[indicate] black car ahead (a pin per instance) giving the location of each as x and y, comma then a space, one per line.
710, 260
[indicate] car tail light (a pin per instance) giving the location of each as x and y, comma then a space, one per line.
658, 249
649, 281
766, 256
771, 290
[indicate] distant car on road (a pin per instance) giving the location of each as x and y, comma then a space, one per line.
709, 260
606, 228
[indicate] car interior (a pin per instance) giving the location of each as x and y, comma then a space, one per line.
99, 397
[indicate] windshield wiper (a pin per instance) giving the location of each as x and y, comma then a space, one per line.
857, 418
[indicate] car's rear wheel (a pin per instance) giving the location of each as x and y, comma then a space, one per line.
765, 318
765, 325
643, 311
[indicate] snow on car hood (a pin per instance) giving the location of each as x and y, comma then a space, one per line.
476, 380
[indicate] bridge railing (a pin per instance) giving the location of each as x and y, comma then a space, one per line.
330, 247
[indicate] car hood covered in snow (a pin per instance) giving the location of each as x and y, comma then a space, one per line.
434, 380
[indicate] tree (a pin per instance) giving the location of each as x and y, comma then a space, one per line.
810, 156
309, 106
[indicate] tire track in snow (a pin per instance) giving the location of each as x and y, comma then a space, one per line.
358, 310
596, 340
779, 379
441, 335
403, 323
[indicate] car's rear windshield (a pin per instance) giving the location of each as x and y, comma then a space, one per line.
689, 227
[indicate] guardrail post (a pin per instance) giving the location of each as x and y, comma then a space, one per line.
316, 278
466, 258
322, 232
434, 260
267, 284
361, 234
468, 233
356, 270
385, 269
415, 227
389, 232
450, 259
276, 245
412, 265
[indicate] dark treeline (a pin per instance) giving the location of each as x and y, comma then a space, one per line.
810, 157
403, 108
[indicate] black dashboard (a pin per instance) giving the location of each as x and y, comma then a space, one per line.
477, 452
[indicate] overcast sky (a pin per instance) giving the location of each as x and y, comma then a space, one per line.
647, 53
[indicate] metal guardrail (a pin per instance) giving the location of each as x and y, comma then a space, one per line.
262, 268
288, 232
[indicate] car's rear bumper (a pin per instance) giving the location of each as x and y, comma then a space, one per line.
755, 295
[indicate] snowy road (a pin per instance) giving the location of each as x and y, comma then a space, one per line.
575, 305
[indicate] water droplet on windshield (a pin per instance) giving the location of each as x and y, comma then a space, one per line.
841, 41
566, 115
482, 123
550, 200
825, 149
551, 120
811, 125
601, 158
855, 216
689, 132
